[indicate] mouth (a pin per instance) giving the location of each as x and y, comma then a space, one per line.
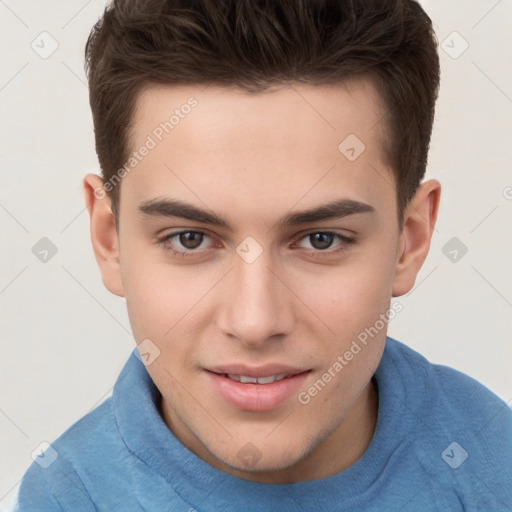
245, 379
256, 390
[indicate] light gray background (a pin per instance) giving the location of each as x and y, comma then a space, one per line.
65, 337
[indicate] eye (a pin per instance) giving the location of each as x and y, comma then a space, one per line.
190, 239
189, 243
322, 240
183, 243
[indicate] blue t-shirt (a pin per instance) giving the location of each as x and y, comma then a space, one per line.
443, 442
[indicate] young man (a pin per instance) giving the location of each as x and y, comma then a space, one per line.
261, 204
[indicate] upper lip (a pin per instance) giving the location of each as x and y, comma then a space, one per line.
257, 371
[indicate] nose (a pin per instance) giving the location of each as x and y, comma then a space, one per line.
256, 305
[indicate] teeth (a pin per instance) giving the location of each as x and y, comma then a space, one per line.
256, 380
270, 379
248, 380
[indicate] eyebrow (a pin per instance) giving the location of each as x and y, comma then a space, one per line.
177, 208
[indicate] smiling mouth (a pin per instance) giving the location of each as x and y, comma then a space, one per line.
263, 390
269, 379
256, 380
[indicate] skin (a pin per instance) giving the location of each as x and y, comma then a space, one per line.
252, 159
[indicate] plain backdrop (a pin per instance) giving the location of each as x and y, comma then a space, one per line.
65, 338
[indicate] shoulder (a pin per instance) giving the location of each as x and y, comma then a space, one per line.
461, 431
456, 393
93, 433
54, 481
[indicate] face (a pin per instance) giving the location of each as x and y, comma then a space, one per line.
255, 295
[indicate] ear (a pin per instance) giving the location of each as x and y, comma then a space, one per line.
104, 236
419, 221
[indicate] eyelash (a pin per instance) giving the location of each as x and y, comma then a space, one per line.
164, 242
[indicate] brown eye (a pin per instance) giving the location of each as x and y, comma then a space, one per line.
321, 241
191, 239
325, 243
185, 243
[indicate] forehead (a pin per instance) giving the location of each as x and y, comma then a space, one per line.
288, 110
292, 142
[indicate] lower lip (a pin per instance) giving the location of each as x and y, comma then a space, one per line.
256, 397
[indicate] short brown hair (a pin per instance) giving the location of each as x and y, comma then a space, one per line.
254, 44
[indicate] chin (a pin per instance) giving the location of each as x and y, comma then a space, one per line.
263, 456
270, 463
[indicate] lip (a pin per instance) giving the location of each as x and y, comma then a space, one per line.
256, 397
257, 371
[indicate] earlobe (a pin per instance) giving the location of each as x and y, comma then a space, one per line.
104, 237
419, 222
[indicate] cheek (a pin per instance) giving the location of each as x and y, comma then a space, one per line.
162, 299
351, 302
352, 297
154, 294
